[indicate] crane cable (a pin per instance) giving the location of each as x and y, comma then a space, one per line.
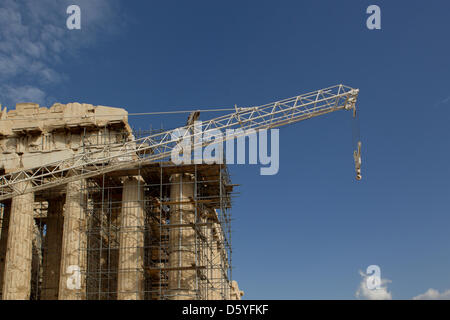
356, 134
128, 114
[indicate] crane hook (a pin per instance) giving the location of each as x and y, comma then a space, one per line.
357, 157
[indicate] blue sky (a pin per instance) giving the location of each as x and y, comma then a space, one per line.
306, 232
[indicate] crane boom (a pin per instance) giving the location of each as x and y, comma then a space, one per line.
135, 153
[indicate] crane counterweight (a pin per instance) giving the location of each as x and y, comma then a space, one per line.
357, 158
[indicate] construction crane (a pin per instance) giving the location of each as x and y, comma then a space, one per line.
139, 152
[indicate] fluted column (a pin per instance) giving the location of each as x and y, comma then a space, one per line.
182, 251
4, 241
131, 252
19, 252
72, 282
52, 256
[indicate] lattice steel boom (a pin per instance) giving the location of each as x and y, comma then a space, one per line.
135, 153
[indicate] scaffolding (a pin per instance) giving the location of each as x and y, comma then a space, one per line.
157, 232
184, 234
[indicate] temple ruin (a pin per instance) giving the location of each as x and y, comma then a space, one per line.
159, 231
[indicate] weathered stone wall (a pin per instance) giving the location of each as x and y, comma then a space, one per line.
31, 136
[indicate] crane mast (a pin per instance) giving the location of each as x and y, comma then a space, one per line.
138, 152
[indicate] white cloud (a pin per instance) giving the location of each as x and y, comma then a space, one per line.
34, 42
363, 292
432, 294
24, 94
382, 293
445, 100
442, 102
